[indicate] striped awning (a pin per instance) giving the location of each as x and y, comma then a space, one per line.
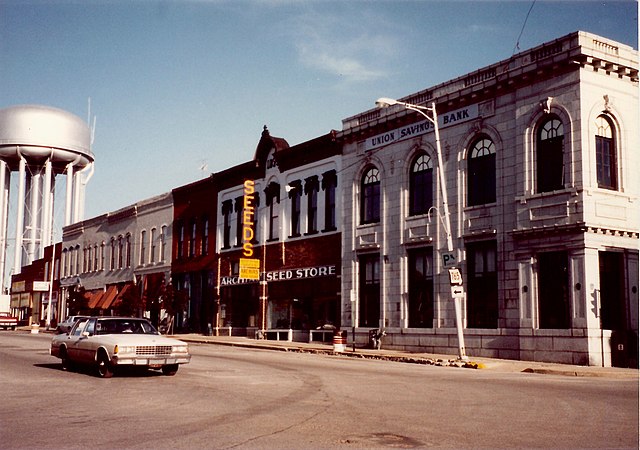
108, 297
95, 298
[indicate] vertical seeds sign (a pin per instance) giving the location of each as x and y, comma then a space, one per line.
249, 266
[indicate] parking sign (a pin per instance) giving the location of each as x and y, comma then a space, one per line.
449, 259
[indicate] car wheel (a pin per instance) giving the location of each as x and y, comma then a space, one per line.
66, 362
170, 369
105, 370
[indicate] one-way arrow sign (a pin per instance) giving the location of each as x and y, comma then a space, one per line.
457, 292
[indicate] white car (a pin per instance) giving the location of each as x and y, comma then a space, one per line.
111, 342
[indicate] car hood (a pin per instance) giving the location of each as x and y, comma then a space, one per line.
138, 339
128, 339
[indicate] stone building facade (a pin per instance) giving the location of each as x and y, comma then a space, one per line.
539, 156
108, 255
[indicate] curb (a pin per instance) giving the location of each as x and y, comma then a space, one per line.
518, 366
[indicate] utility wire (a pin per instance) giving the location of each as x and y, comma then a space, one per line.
517, 46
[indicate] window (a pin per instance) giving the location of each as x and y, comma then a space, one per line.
256, 217
152, 243
421, 288
369, 312
143, 246
95, 257
120, 252
128, 249
205, 235
239, 210
421, 185
329, 184
227, 207
113, 254
370, 202
180, 243
481, 167
273, 206
550, 156
612, 291
192, 239
102, 255
77, 259
163, 243
311, 188
295, 194
482, 296
606, 161
64, 258
553, 290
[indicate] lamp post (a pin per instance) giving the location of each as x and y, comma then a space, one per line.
384, 102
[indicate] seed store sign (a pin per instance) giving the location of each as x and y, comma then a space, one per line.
284, 275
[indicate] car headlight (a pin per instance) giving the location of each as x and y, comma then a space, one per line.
180, 349
122, 349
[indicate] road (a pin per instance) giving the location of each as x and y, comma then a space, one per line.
242, 398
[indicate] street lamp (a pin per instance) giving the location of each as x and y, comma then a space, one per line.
384, 102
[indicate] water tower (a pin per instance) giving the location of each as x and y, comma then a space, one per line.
39, 143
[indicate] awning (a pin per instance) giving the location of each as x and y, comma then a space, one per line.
118, 298
108, 297
95, 298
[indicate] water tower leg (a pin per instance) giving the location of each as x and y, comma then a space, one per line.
69, 200
47, 207
5, 177
17, 257
32, 220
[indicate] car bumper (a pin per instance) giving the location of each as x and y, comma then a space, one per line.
125, 360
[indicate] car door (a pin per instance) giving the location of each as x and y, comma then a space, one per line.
86, 344
75, 340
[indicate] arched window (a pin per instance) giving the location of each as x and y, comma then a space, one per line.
421, 185
64, 258
370, 200
77, 260
120, 252
481, 165
272, 193
550, 156
128, 250
606, 161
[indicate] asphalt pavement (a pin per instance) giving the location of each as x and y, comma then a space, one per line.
477, 363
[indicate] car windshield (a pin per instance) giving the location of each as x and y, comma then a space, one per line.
124, 326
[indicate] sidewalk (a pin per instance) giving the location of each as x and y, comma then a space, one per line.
492, 364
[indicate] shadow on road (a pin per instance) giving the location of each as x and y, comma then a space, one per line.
121, 372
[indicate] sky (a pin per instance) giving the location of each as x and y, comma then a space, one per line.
180, 89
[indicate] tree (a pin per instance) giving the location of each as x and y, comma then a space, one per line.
132, 303
154, 289
174, 301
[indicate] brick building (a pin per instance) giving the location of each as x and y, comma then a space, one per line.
32, 288
540, 153
295, 236
194, 259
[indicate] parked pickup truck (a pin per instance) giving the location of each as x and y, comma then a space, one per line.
8, 321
